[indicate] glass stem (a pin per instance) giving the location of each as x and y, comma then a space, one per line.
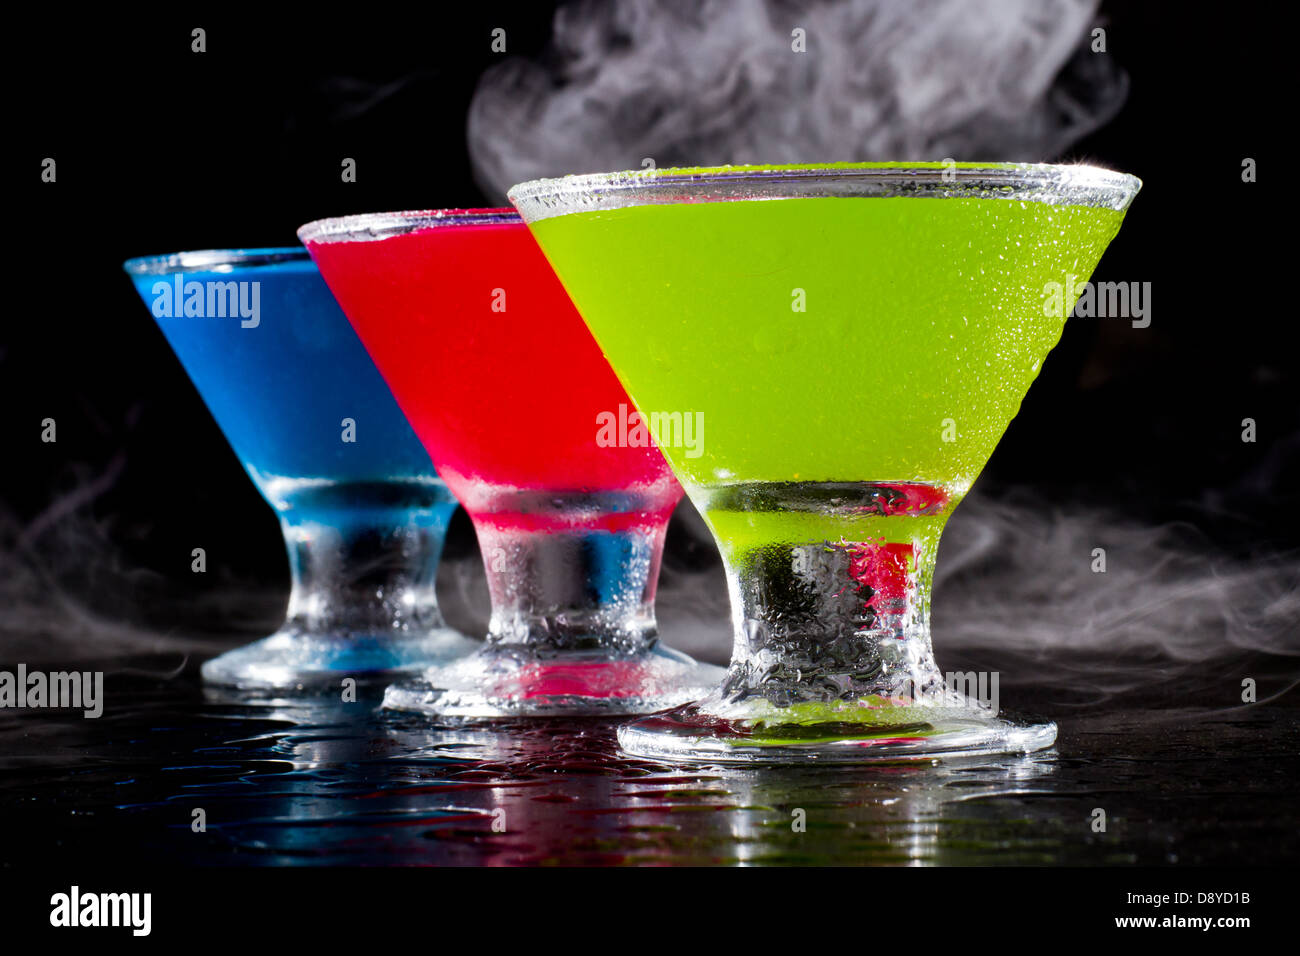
366, 572
842, 611
572, 590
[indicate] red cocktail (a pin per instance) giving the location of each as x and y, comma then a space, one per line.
503, 383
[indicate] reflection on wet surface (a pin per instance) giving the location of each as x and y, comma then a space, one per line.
323, 782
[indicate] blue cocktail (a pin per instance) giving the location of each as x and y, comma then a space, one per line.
363, 512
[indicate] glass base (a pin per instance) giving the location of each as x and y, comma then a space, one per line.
293, 660
508, 680
694, 734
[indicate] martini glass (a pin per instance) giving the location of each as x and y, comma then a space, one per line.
857, 338
504, 385
362, 511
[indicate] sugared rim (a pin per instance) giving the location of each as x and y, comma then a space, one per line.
383, 225
1061, 185
213, 260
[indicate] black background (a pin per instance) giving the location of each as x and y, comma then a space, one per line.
160, 149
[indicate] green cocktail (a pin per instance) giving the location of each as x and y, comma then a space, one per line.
850, 342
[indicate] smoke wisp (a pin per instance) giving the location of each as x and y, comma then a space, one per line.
1019, 577
689, 83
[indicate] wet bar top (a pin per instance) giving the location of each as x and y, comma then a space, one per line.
322, 782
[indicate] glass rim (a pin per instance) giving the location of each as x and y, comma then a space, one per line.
209, 260
1078, 185
370, 226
